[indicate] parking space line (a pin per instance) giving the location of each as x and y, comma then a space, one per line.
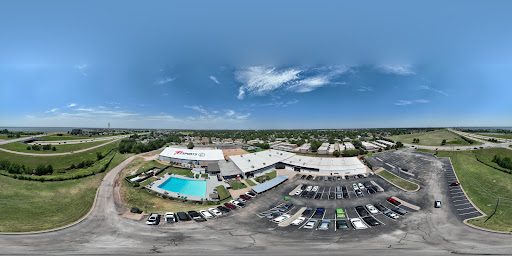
469, 213
461, 204
458, 196
458, 200
463, 209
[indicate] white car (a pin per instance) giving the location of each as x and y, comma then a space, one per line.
215, 211
250, 194
311, 224
153, 219
281, 218
206, 214
358, 223
309, 188
315, 188
371, 209
298, 192
360, 185
170, 217
234, 202
241, 200
298, 221
355, 186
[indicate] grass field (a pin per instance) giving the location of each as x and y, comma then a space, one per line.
398, 181
4, 137
483, 185
433, 138
250, 182
34, 205
21, 147
267, 176
503, 136
235, 185
222, 192
72, 137
58, 162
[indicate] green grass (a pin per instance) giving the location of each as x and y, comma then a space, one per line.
72, 137
33, 205
433, 138
58, 162
222, 192
237, 185
483, 184
398, 181
486, 156
5, 137
502, 136
178, 171
63, 148
205, 175
250, 182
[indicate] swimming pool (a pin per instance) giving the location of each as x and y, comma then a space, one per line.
185, 187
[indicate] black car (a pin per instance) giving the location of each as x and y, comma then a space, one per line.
341, 224
338, 178
329, 178
331, 195
375, 188
371, 191
380, 207
309, 177
304, 193
304, 186
347, 177
362, 211
344, 188
345, 194
196, 216
307, 212
223, 209
359, 193
311, 194
303, 177
219, 178
183, 216
371, 221
399, 211
318, 195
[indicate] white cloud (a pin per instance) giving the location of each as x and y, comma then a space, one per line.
165, 80
422, 101
364, 89
263, 80
403, 70
214, 79
280, 103
84, 109
53, 110
71, 105
243, 117
403, 102
230, 112
199, 109
82, 68
426, 87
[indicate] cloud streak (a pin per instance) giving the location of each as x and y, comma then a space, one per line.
82, 69
402, 70
164, 80
214, 79
428, 88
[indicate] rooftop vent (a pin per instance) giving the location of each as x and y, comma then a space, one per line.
252, 166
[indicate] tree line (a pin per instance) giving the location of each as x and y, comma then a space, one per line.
504, 162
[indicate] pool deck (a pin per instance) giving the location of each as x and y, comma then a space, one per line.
211, 184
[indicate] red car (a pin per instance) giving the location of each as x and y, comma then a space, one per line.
230, 206
393, 201
454, 184
245, 197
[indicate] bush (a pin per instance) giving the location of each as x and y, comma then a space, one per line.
504, 162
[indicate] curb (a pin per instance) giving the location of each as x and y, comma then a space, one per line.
397, 185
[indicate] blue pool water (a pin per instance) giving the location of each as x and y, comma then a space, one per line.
185, 187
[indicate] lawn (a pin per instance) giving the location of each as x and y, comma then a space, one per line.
433, 138
5, 137
503, 136
235, 185
178, 171
265, 177
250, 182
72, 137
222, 192
398, 181
486, 156
58, 162
63, 148
33, 205
483, 185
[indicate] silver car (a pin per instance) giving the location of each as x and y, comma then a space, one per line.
324, 225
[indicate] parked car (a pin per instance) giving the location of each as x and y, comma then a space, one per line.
315, 188
371, 209
380, 207
338, 178
302, 177
361, 211
345, 194
304, 193
170, 217
309, 177
241, 200
273, 215
358, 192
153, 219
223, 208
298, 221
454, 184
206, 214
371, 221
304, 186
340, 213
183, 216
437, 204
360, 185
324, 225
215, 212
309, 188
250, 194
338, 188
393, 201
347, 177
298, 192
286, 207
325, 178
331, 195
311, 194
281, 218
399, 211
230, 206
196, 216
341, 224
354, 186
307, 212
319, 212
338, 195
245, 197
357, 223
390, 214
318, 195
371, 191
311, 224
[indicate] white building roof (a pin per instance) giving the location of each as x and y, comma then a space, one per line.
255, 161
349, 146
193, 154
327, 163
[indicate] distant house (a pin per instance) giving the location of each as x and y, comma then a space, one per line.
76, 131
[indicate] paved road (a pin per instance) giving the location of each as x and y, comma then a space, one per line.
57, 154
426, 232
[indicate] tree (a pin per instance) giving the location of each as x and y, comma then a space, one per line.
54, 149
336, 153
443, 142
40, 170
190, 145
399, 144
28, 147
49, 169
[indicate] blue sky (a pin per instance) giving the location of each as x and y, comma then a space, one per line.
255, 65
